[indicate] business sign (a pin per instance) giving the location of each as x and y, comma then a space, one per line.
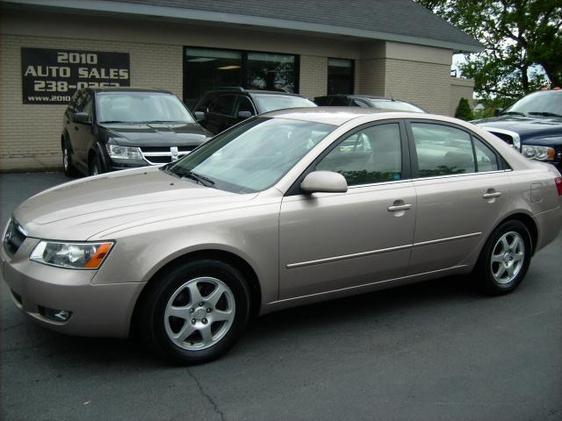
53, 76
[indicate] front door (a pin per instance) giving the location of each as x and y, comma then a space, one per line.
330, 241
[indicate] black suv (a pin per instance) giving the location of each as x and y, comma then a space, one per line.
110, 129
218, 110
532, 125
367, 101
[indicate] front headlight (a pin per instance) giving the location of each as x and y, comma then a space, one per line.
71, 255
127, 153
540, 153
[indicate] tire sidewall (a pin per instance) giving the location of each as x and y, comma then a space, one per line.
487, 280
170, 282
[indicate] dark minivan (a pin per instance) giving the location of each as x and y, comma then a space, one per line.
107, 129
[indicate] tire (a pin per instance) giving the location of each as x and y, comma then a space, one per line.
186, 333
67, 164
505, 259
94, 166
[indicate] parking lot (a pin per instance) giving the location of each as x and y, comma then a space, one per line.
431, 351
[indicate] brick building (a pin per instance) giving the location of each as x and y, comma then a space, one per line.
49, 48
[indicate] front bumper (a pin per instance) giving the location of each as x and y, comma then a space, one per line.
97, 309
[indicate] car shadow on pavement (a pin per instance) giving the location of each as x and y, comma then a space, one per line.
28, 340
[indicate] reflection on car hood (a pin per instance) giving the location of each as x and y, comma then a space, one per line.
80, 209
157, 134
524, 126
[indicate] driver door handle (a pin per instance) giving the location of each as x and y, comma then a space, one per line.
397, 208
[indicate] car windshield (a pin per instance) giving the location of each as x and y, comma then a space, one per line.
141, 107
251, 156
394, 105
539, 103
271, 102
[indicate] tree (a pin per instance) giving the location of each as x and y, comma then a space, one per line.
464, 112
522, 40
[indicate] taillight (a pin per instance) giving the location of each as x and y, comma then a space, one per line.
558, 181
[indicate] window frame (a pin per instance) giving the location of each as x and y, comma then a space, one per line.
295, 189
502, 163
244, 66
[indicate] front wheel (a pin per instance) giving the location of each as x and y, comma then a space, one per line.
196, 312
67, 164
505, 258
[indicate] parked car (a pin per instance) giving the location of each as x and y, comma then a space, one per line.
220, 109
367, 101
107, 129
532, 125
291, 208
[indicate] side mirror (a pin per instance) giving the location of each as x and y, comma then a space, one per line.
324, 182
243, 115
498, 111
83, 118
199, 115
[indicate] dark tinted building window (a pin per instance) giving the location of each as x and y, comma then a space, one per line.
273, 72
340, 76
206, 69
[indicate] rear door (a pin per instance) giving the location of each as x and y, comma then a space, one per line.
462, 185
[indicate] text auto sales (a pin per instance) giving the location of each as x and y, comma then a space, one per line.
52, 76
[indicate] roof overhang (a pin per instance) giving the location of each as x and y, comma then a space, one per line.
206, 17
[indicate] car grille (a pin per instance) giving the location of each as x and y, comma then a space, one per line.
14, 238
163, 154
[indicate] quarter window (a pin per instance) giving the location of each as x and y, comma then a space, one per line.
442, 150
486, 159
371, 155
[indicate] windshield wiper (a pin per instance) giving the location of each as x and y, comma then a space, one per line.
163, 121
117, 121
544, 114
201, 179
514, 113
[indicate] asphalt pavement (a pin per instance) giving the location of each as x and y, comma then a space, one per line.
431, 351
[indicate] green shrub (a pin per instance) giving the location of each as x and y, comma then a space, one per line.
463, 110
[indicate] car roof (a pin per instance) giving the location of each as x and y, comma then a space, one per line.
249, 91
129, 89
335, 115
383, 98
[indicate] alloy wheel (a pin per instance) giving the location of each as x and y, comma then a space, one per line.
508, 256
199, 313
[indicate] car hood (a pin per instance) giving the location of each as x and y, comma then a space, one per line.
80, 209
156, 134
524, 126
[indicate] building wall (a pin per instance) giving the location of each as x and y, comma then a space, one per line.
420, 75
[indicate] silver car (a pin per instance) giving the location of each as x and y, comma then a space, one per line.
289, 208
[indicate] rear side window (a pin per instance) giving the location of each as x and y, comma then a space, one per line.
445, 150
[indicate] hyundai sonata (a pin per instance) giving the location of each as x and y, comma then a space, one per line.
288, 208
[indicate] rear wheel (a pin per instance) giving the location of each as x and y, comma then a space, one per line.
196, 312
505, 258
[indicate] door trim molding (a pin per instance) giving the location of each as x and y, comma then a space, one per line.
379, 251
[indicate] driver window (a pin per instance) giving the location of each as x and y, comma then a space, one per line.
371, 155
244, 104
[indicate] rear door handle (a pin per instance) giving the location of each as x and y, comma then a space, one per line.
397, 208
491, 194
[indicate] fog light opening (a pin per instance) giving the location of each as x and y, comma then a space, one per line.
55, 314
